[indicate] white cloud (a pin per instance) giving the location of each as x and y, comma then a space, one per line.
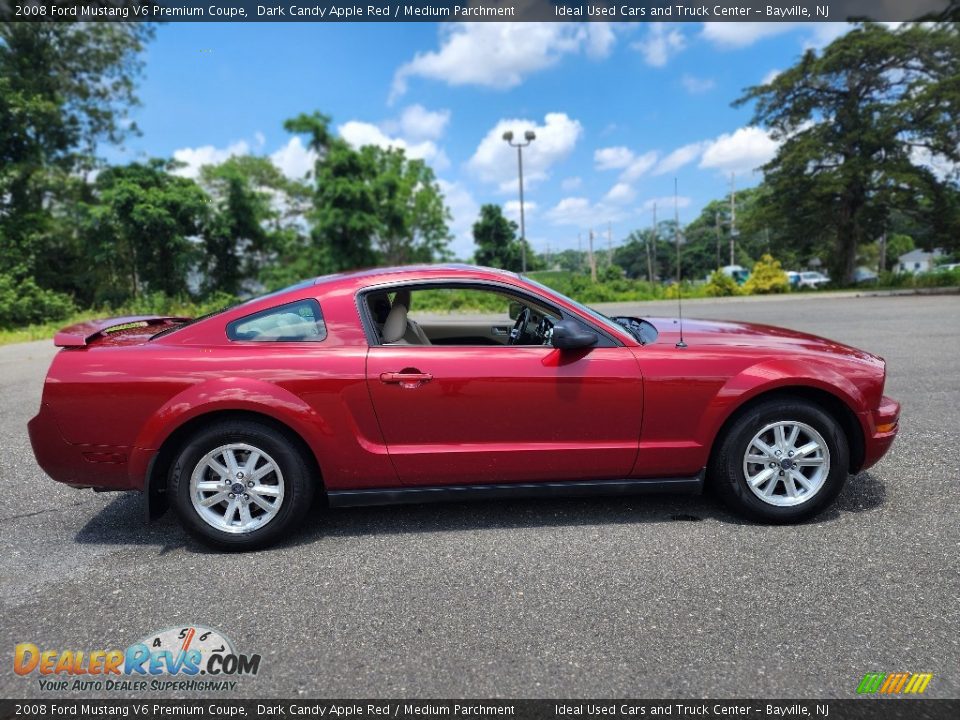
359, 133
678, 158
512, 209
729, 35
501, 55
464, 211
294, 159
583, 214
418, 123
196, 158
573, 211
695, 85
496, 162
660, 43
639, 166
612, 158
770, 76
941, 166
619, 193
571, 183
742, 151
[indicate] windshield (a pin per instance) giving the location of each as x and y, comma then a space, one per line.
607, 322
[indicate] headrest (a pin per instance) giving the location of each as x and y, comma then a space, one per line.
396, 324
380, 307
402, 298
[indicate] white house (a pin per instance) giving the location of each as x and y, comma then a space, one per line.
917, 261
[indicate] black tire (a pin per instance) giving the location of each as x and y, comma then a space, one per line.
726, 471
297, 482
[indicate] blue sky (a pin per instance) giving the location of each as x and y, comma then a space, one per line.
619, 111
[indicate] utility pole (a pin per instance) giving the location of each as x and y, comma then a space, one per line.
529, 136
733, 216
716, 222
652, 246
609, 244
676, 226
593, 259
580, 252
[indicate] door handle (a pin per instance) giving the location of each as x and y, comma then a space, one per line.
406, 379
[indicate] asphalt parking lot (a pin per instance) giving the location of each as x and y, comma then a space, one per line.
656, 597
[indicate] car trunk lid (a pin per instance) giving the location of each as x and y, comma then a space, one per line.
126, 330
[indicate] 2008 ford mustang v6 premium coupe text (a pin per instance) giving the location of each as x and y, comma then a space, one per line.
341, 386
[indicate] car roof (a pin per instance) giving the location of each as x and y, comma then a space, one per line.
374, 276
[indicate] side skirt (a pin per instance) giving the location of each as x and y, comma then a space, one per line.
569, 488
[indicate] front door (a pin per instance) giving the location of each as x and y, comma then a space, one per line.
477, 415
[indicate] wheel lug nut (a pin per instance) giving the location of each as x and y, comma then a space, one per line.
231, 495
778, 453
791, 453
773, 464
250, 484
781, 472
246, 497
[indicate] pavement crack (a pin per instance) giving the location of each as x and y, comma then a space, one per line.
44, 511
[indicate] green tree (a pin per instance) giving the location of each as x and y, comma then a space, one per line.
412, 216
496, 239
766, 277
853, 122
64, 89
142, 229
243, 231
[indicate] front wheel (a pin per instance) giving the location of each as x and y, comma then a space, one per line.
240, 485
782, 460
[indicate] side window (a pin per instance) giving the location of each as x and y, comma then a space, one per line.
299, 321
459, 315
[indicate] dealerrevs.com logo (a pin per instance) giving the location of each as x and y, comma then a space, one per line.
182, 658
894, 683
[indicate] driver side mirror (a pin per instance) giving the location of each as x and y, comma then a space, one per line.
514, 309
570, 335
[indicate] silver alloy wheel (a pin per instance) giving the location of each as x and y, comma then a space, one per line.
786, 463
236, 488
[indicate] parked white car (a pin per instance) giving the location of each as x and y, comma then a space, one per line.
813, 279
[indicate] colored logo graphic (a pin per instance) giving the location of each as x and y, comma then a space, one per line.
894, 683
183, 651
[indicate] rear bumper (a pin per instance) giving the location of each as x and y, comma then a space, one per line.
880, 428
103, 467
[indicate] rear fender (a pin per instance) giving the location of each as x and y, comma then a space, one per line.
243, 394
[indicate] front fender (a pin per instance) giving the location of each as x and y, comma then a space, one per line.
771, 375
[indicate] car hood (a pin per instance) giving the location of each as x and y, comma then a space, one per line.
701, 333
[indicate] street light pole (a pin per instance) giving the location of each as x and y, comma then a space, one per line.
529, 136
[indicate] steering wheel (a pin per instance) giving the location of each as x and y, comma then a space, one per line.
518, 327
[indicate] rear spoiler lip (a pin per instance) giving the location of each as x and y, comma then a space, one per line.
81, 334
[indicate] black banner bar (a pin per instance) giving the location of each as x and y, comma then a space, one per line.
853, 709
477, 10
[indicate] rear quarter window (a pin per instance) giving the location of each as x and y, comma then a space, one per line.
300, 321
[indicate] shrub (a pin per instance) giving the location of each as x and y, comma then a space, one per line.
767, 277
721, 285
23, 302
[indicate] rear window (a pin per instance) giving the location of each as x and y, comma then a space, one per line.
300, 321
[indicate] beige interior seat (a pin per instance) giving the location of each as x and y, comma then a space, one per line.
414, 334
396, 326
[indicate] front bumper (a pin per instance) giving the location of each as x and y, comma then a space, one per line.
103, 467
880, 429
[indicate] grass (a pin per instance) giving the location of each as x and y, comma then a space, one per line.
574, 285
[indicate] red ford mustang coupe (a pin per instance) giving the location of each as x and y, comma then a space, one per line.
342, 386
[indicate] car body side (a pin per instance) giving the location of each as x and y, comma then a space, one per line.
113, 412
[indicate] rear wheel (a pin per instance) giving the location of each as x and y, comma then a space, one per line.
783, 460
240, 485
